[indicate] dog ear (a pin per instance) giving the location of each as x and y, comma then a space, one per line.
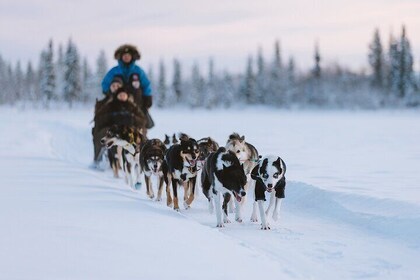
254, 172
242, 138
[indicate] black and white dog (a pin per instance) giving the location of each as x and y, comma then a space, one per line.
269, 176
151, 162
181, 161
223, 175
245, 152
131, 141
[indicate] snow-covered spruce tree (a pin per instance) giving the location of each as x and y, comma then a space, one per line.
248, 88
30, 83
227, 90
377, 61
47, 75
210, 93
10, 84
276, 88
315, 93
19, 83
317, 68
72, 75
101, 70
162, 89
393, 66
89, 84
291, 81
177, 81
406, 76
261, 83
60, 68
195, 96
3, 81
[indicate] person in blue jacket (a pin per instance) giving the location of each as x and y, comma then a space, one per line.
133, 76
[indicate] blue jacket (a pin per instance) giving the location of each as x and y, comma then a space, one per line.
125, 72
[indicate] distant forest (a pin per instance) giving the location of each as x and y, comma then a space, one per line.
390, 82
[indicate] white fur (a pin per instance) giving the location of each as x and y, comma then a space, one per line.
220, 164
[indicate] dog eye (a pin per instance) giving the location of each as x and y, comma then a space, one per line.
276, 175
238, 151
265, 176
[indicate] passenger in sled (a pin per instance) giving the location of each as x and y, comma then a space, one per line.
119, 108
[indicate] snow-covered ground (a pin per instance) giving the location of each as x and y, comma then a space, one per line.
352, 206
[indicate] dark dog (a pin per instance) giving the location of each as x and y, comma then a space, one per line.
131, 141
206, 146
169, 141
223, 175
151, 163
181, 161
269, 176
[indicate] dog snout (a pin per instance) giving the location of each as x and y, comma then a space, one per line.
243, 193
269, 187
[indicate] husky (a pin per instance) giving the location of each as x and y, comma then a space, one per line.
246, 153
223, 175
131, 141
169, 141
269, 176
151, 163
181, 161
206, 146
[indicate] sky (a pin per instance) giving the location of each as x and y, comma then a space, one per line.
193, 31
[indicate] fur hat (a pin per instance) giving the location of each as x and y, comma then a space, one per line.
117, 79
126, 48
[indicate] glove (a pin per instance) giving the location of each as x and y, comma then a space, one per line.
147, 101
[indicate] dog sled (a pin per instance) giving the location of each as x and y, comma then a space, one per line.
110, 112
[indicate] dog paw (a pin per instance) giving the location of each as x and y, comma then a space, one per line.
151, 196
158, 199
239, 220
220, 225
186, 206
226, 221
176, 209
265, 227
254, 219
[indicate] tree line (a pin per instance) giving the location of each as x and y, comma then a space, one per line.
390, 80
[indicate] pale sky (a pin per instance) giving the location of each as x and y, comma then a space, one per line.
194, 30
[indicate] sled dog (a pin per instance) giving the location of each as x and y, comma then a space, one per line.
206, 146
181, 161
151, 163
170, 140
131, 141
223, 175
269, 176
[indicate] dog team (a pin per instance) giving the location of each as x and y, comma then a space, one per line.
227, 173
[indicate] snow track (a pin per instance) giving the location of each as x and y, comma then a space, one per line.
64, 221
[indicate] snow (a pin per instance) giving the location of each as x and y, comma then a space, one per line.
352, 206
